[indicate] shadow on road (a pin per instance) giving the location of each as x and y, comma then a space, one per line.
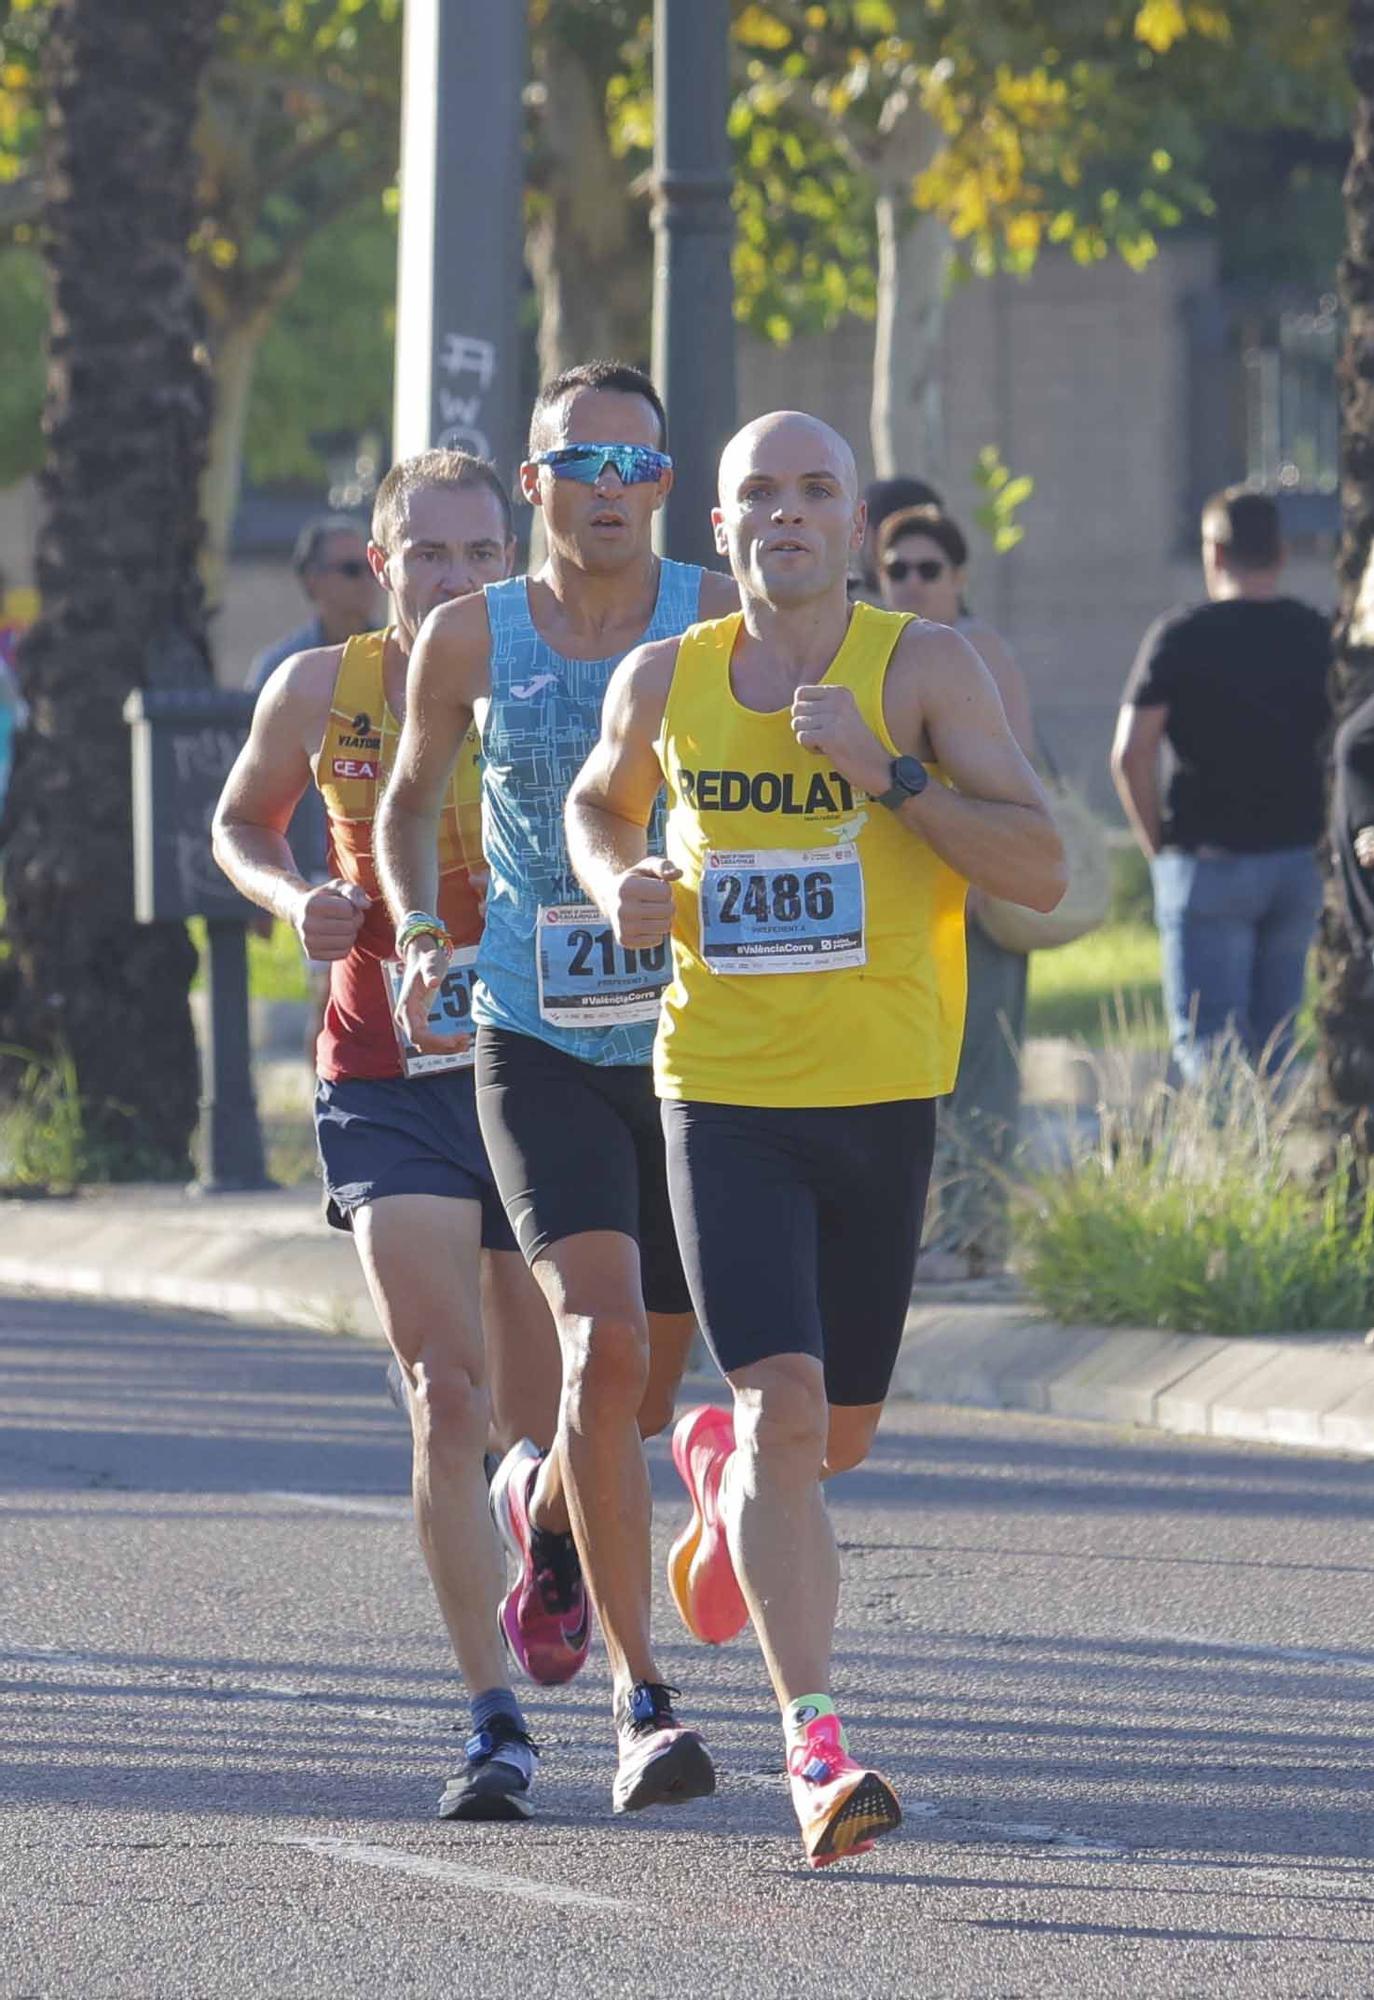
1167, 1747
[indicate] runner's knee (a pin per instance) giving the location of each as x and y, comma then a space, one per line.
781, 1416
845, 1454
849, 1441
656, 1410
605, 1362
452, 1409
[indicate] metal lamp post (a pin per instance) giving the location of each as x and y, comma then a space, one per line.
694, 329
461, 235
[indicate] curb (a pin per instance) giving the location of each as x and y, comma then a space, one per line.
179, 1253
1313, 1390
267, 1257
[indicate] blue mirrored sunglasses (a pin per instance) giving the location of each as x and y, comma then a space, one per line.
635, 463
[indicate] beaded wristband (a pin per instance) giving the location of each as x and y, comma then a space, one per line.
415, 924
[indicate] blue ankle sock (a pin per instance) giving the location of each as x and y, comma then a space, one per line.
501, 1702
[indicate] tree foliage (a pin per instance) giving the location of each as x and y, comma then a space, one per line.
297, 121
298, 125
1082, 123
297, 130
1091, 124
326, 362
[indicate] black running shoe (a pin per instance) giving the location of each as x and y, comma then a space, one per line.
492, 1786
661, 1763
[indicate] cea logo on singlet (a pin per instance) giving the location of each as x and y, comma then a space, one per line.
766, 792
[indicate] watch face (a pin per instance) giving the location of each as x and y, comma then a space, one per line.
910, 773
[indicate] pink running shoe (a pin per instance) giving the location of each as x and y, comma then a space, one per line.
545, 1617
701, 1574
842, 1808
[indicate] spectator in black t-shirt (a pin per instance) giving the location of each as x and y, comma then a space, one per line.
1237, 688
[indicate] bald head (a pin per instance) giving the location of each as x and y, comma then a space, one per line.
790, 514
789, 442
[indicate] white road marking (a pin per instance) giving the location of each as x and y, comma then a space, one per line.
395, 1861
347, 1503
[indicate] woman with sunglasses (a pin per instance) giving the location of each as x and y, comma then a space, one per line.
923, 567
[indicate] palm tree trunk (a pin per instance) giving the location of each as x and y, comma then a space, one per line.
126, 421
1346, 998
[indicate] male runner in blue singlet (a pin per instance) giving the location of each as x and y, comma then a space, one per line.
566, 1024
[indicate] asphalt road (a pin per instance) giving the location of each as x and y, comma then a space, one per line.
1125, 1688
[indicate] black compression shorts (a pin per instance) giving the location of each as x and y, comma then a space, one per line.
577, 1146
799, 1231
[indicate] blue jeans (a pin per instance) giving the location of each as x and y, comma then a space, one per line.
1234, 932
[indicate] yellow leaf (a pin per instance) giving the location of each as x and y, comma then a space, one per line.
759, 29
1023, 233
1213, 22
1160, 23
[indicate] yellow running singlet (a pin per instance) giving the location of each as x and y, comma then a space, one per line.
818, 943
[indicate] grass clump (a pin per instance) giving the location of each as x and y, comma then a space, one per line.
43, 1128
1193, 1210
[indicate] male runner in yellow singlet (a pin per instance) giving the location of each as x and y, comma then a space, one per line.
403, 1159
836, 776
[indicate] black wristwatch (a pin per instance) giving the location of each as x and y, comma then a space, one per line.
909, 779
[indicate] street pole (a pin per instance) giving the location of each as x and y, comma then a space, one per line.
462, 185
694, 328
230, 1138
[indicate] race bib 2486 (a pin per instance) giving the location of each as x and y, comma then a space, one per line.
783, 910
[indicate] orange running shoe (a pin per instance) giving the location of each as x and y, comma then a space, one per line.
701, 1574
843, 1809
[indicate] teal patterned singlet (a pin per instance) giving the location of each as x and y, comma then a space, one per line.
541, 724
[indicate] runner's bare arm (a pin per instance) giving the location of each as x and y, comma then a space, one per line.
1136, 747
449, 672
260, 794
613, 795
941, 703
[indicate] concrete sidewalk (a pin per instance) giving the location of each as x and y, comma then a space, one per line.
271, 1256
